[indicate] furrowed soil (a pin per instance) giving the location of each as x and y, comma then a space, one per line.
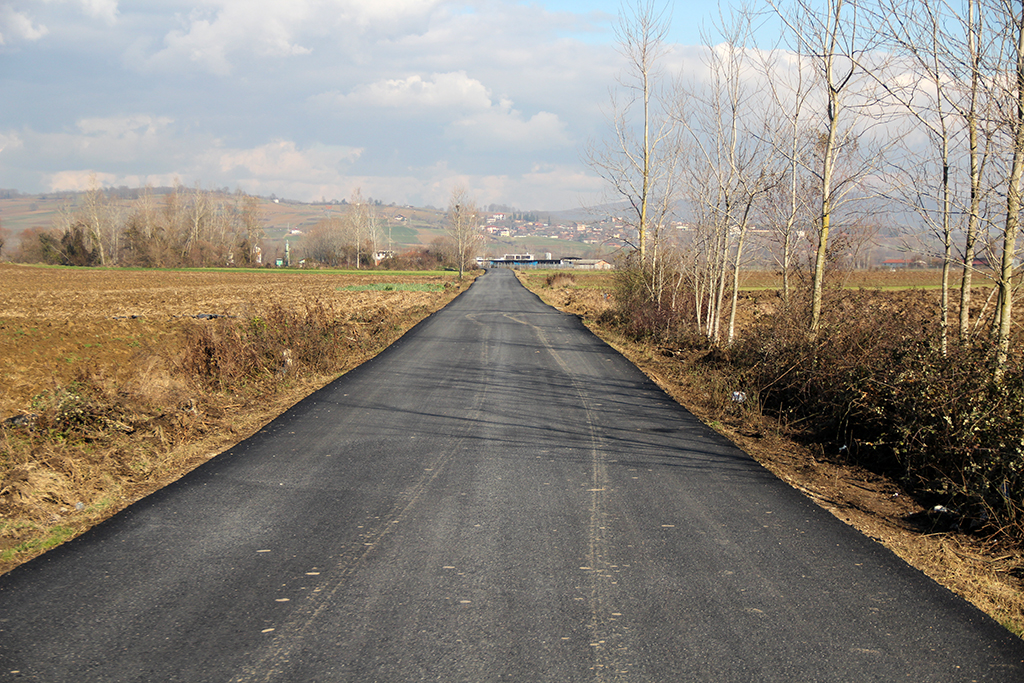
987, 573
111, 345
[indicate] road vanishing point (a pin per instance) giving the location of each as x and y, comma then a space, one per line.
499, 496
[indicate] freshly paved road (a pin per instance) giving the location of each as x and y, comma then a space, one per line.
498, 497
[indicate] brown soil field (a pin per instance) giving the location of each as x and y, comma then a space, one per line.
988, 574
111, 342
56, 321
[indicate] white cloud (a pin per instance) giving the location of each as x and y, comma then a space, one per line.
282, 159
501, 127
379, 12
78, 181
305, 98
209, 40
106, 10
220, 38
9, 142
453, 90
22, 24
15, 25
472, 116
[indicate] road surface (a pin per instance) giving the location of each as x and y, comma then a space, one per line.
499, 496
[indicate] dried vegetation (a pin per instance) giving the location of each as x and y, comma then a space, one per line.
115, 383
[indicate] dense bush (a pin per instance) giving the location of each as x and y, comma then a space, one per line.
560, 280
876, 383
231, 352
646, 309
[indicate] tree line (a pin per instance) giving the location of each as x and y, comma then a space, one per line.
192, 227
858, 116
183, 227
861, 114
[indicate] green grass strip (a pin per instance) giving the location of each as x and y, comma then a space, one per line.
55, 537
394, 287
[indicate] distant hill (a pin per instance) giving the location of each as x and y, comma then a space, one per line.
405, 226
286, 220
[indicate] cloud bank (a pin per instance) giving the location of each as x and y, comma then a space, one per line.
306, 99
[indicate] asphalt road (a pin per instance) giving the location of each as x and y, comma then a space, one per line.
497, 497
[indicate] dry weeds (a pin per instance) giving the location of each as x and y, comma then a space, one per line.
94, 360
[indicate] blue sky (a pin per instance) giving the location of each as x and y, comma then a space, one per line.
313, 98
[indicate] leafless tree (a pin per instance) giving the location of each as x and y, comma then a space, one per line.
829, 36
943, 88
640, 164
357, 219
196, 217
462, 228
787, 75
1010, 13
725, 120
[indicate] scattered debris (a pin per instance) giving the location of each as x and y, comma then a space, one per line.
942, 518
286, 364
24, 420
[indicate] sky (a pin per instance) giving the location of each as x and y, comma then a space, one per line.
311, 99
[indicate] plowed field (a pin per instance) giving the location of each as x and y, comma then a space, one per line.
57, 322
98, 405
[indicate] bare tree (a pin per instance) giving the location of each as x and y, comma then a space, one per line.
640, 164
944, 89
725, 119
973, 26
828, 34
1011, 12
462, 228
93, 217
786, 73
357, 220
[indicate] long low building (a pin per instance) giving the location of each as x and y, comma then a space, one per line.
530, 261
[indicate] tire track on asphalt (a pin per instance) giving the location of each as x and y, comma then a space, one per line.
322, 597
304, 617
609, 632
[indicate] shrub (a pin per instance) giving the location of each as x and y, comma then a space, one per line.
876, 382
560, 280
653, 305
229, 353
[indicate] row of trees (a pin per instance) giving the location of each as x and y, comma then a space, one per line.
350, 238
200, 228
355, 236
185, 227
862, 113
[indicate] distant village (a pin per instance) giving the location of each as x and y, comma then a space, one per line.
610, 233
